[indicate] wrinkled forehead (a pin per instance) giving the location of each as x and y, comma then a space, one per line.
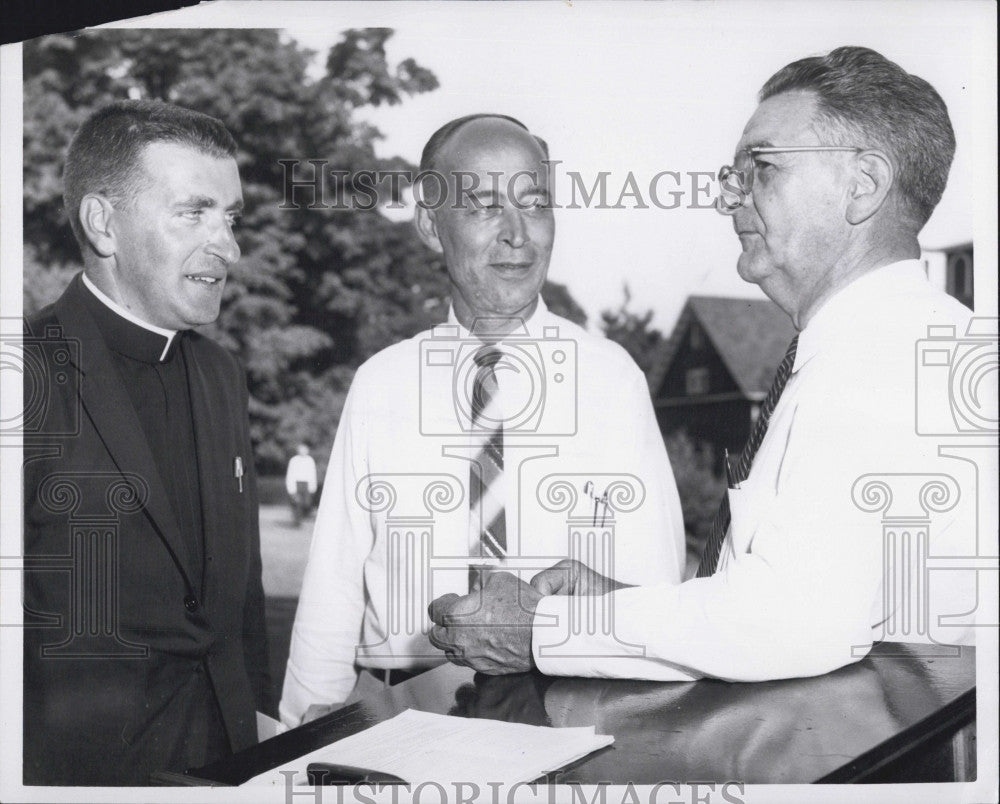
788, 118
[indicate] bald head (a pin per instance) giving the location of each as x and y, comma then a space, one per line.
440, 138
490, 217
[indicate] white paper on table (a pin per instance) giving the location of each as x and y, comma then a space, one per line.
268, 727
424, 747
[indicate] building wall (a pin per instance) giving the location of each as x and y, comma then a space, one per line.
724, 424
700, 396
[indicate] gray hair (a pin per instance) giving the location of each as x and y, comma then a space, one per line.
868, 101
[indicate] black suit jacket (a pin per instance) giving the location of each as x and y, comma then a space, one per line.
125, 642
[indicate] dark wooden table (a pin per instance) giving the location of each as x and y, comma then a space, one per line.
892, 717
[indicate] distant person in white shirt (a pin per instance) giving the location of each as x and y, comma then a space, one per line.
300, 482
507, 438
851, 496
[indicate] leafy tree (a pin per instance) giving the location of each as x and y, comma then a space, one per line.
633, 331
559, 301
700, 488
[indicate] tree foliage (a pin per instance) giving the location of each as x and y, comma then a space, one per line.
701, 490
633, 331
317, 291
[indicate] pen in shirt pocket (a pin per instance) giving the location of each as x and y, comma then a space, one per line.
732, 481
238, 472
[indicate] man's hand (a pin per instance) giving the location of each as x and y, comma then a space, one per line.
488, 629
316, 711
570, 577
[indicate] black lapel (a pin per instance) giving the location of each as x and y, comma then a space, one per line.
216, 450
109, 408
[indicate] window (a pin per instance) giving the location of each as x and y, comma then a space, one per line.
697, 338
959, 277
696, 381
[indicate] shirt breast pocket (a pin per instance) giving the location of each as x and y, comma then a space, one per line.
743, 521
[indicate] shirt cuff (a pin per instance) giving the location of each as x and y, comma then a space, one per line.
574, 636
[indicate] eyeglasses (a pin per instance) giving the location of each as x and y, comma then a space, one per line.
736, 180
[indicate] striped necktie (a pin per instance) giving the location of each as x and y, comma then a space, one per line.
713, 547
486, 493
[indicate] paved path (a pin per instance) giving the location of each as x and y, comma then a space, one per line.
284, 550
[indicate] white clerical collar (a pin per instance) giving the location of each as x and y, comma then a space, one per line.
116, 308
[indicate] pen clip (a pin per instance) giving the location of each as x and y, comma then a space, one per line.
732, 481
238, 472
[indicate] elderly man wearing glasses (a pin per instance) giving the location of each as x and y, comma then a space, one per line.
835, 174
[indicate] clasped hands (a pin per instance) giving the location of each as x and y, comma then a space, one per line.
489, 629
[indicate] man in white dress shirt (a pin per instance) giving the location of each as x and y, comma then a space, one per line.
835, 174
580, 469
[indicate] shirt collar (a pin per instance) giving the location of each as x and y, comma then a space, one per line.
866, 292
129, 334
532, 325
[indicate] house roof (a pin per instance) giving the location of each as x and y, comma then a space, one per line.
750, 336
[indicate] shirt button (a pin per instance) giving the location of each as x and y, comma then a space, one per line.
191, 603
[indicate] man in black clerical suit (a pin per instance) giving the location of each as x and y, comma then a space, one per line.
144, 641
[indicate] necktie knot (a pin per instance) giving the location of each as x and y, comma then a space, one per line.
487, 356
484, 385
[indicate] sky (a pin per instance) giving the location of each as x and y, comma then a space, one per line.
640, 88
637, 88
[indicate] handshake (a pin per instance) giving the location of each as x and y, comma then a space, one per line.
489, 629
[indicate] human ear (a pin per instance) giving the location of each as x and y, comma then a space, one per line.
427, 229
873, 177
95, 216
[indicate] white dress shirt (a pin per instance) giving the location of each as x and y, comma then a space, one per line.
301, 469
799, 588
393, 532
